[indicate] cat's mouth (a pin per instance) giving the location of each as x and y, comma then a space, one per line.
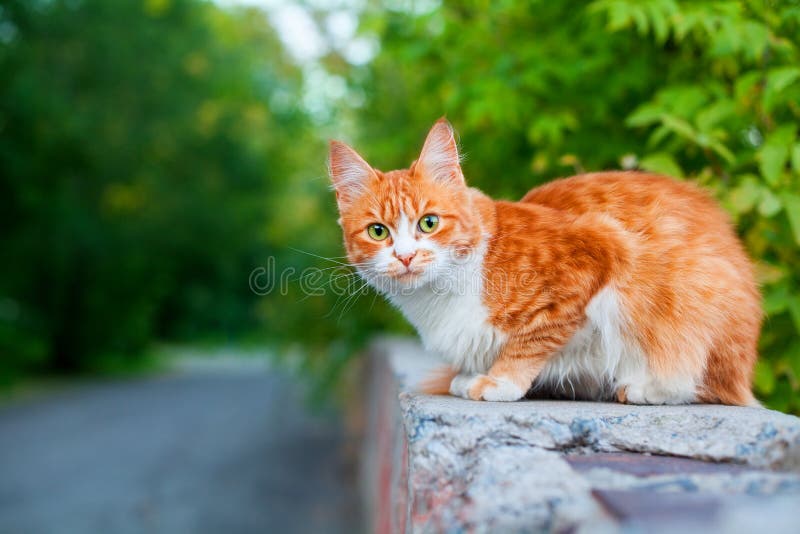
404, 273
415, 270
407, 274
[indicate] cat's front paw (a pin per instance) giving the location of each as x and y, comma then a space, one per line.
459, 386
484, 387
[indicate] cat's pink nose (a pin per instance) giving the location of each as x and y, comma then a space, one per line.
405, 259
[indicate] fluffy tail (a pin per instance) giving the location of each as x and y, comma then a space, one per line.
438, 381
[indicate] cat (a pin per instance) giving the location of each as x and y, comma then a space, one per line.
608, 286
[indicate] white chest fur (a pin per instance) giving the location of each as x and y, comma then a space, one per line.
452, 320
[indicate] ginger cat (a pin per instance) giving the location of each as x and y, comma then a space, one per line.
605, 286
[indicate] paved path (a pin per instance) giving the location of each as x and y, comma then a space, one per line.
228, 452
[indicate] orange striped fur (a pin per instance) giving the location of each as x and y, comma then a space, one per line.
617, 286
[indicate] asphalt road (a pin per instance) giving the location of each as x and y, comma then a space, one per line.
201, 452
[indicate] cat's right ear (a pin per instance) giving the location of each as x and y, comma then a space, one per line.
439, 159
348, 171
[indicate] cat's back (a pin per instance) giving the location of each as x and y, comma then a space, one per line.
677, 232
641, 202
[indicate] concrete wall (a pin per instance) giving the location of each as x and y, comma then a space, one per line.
442, 464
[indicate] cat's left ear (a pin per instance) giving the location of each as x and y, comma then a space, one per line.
439, 158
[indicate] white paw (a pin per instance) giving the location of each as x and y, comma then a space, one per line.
459, 386
652, 392
485, 388
503, 391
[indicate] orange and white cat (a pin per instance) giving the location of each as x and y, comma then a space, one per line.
606, 286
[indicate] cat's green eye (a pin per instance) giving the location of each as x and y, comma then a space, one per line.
378, 232
428, 223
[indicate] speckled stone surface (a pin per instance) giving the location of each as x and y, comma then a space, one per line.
752, 436
560, 465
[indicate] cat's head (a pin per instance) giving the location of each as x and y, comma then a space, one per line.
406, 228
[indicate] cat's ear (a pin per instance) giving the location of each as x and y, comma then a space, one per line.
439, 158
348, 171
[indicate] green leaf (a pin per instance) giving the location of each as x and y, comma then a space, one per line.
791, 202
772, 158
776, 299
682, 24
618, 14
770, 204
714, 114
764, 379
774, 153
755, 38
645, 114
744, 197
679, 126
721, 150
658, 135
745, 85
796, 158
683, 100
662, 163
794, 311
659, 22
640, 18
779, 79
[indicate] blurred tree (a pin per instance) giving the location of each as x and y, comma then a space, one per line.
701, 89
141, 143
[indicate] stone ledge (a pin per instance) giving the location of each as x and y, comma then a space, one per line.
556, 465
749, 436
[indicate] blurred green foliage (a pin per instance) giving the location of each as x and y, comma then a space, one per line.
157, 153
705, 90
141, 143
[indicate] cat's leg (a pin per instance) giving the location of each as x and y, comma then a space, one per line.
487, 387
509, 379
518, 364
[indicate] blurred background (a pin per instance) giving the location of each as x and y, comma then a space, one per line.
163, 191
